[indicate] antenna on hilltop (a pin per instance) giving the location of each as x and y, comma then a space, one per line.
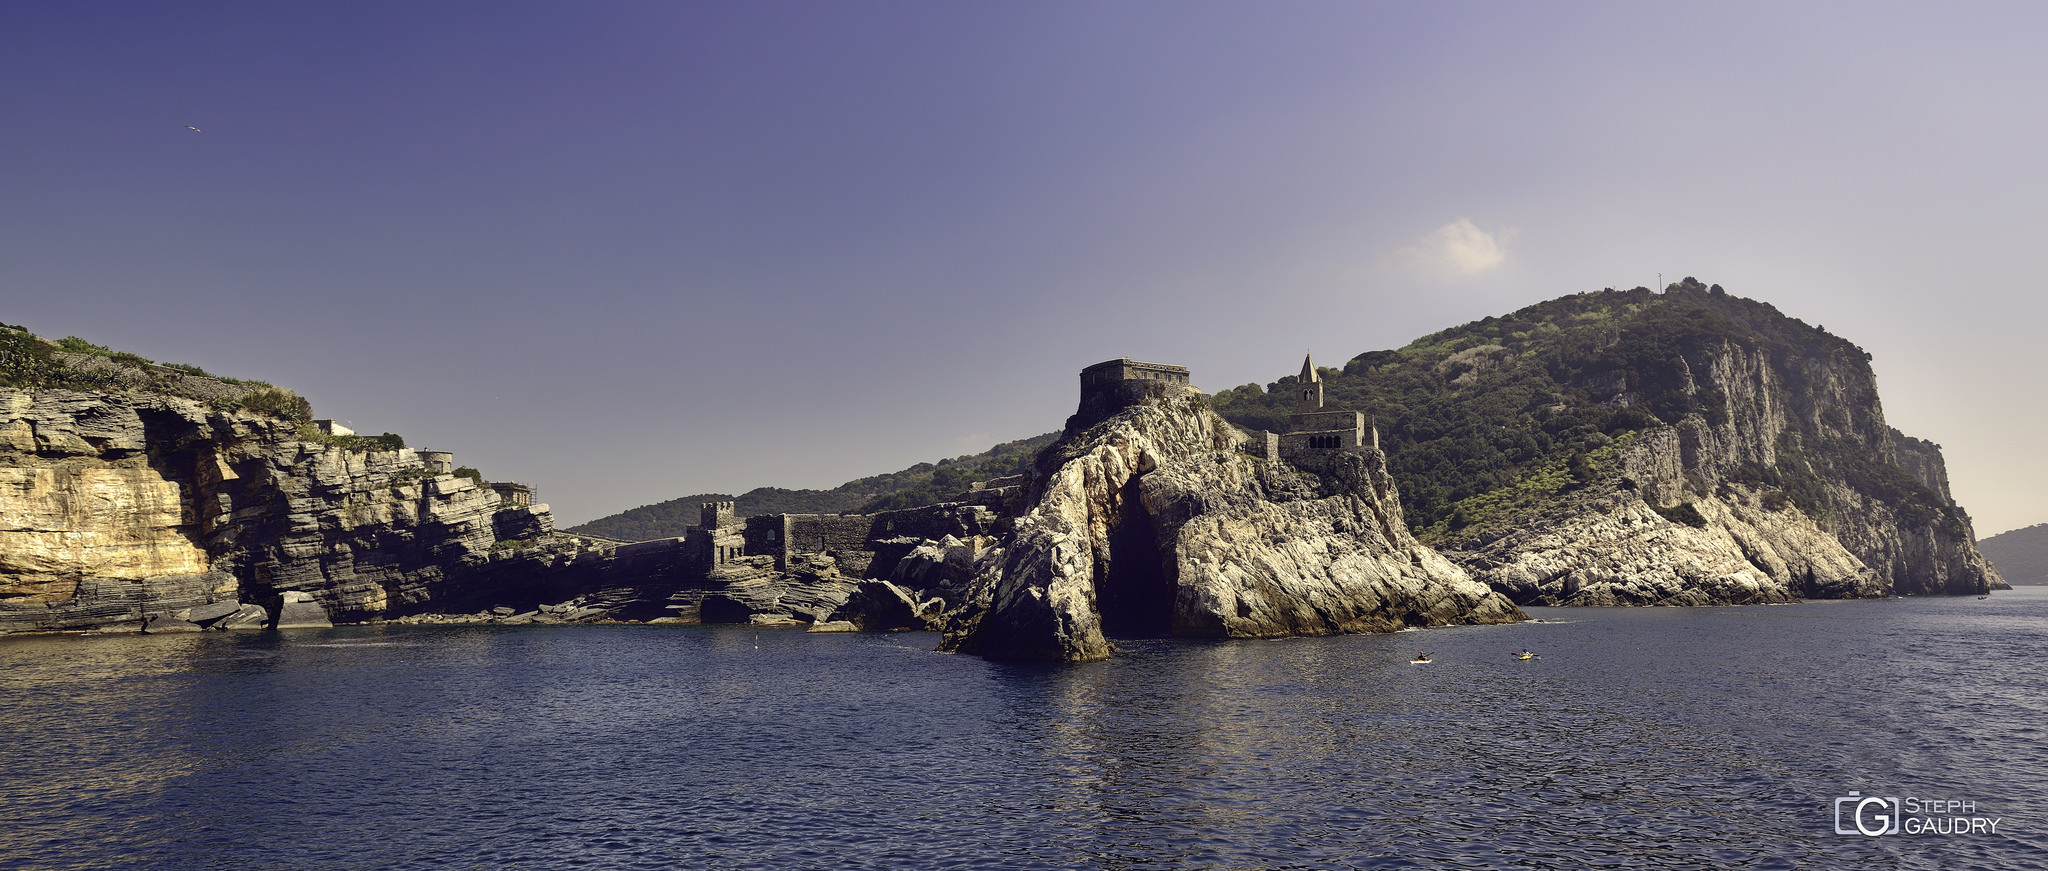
1660, 282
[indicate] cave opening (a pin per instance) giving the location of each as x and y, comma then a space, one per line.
1133, 592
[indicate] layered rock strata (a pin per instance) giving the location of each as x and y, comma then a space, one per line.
115, 507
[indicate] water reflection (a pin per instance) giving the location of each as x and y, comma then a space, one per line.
1650, 738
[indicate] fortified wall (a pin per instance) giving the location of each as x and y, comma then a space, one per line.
863, 545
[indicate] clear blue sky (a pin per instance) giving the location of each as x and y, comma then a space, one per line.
631, 251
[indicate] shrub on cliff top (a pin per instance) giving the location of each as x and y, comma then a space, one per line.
357, 444
24, 359
77, 345
279, 403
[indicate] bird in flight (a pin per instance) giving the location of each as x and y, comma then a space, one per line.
192, 128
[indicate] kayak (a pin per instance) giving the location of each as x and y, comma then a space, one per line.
1420, 661
1526, 656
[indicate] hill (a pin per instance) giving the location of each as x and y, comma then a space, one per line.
2021, 555
1692, 400
921, 484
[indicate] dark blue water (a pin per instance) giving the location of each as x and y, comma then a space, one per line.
1664, 738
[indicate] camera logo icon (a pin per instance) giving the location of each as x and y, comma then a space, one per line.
1867, 815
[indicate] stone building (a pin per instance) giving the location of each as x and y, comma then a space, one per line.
1111, 385
860, 545
1315, 428
512, 493
718, 538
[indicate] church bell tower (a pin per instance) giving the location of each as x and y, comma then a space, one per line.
1311, 387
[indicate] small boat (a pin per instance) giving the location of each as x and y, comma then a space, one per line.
1420, 659
1526, 656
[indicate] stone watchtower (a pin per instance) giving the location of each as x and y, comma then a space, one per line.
717, 539
1113, 385
1314, 429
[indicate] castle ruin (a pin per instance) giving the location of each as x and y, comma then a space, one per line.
725, 548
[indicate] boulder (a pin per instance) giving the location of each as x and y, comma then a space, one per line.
879, 606
245, 617
297, 610
205, 614
165, 624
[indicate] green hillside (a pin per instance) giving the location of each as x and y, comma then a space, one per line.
1490, 419
922, 484
2020, 555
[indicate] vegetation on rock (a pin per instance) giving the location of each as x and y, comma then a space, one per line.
30, 362
1506, 409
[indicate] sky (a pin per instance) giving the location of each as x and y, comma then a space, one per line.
626, 252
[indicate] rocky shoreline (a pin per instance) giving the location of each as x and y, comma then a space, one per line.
1149, 516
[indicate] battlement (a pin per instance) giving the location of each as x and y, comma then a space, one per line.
1111, 385
716, 515
1127, 369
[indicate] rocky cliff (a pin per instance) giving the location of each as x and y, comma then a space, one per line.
115, 507
1788, 485
1690, 447
1154, 521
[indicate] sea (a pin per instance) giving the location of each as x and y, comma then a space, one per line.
1902, 733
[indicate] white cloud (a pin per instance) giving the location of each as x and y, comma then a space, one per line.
1457, 250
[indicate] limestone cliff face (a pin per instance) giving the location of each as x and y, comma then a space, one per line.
1153, 522
118, 506
1796, 488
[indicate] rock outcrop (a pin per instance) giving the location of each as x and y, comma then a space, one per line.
1153, 521
116, 507
1789, 485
